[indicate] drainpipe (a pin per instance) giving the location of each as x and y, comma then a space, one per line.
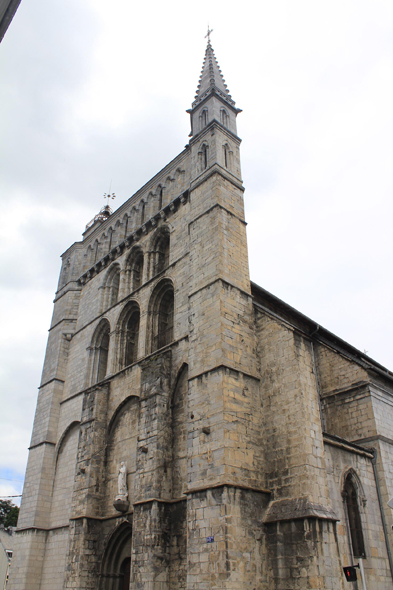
385, 529
314, 362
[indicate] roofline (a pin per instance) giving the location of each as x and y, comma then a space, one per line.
318, 332
132, 199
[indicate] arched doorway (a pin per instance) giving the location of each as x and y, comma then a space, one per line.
116, 564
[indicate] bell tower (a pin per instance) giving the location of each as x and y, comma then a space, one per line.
225, 465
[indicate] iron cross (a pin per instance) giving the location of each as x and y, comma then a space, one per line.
208, 34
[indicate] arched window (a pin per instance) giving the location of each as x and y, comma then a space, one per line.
134, 269
110, 238
203, 118
224, 117
143, 212
96, 251
100, 349
165, 319
112, 284
161, 315
129, 334
160, 250
354, 522
125, 223
226, 156
160, 197
114, 288
204, 156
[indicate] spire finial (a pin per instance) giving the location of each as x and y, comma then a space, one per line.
209, 31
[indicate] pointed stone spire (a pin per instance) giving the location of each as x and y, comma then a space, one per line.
211, 79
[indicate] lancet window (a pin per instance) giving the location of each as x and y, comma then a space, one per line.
203, 156
135, 269
224, 117
204, 118
160, 250
112, 284
161, 315
100, 349
129, 334
353, 514
143, 212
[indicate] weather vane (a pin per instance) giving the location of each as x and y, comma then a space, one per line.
109, 196
208, 33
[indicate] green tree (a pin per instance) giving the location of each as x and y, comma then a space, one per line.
8, 513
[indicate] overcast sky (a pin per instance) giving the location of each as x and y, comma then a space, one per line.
93, 97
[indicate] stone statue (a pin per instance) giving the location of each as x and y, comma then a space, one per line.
121, 502
122, 481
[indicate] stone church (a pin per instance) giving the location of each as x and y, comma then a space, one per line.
192, 430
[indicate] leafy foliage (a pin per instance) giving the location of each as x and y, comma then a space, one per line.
8, 513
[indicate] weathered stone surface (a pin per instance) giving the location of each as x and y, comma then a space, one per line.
215, 394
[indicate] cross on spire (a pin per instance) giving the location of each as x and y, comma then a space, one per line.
209, 31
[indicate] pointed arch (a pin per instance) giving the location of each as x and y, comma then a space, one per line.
71, 426
101, 251
64, 478
117, 411
126, 219
134, 269
99, 352
160, 196
227, 156
160, 250
203, 118
110, 244
116, 234
111, 286
117, 558
128, 334
224, 117
96, 251
161, 316
350, 493
89, 257
203, 156
133, 218
142, 208
122, 435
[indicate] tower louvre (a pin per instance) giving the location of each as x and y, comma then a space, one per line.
178, 440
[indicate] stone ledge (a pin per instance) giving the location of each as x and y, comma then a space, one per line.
295, 508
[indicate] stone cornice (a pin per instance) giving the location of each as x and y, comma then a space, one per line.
132, 239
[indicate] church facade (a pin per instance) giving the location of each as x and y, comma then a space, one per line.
193, 431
